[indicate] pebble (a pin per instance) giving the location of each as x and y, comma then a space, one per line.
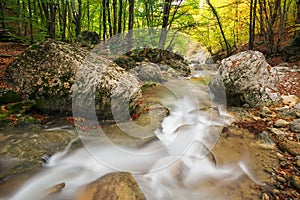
295, 181
280, 123
281, 179
276, 131
290, 100
297, 110
265, 111
280, 156
265, 196
298, 163
295, 125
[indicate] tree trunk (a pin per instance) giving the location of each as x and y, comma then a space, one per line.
114, 5
109, 18
220, 27
165, 22
130, 24
253, 4
120, 16
104, 19
298, 15
30, 22
2, 15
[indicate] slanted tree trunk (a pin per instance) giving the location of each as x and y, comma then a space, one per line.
220, 27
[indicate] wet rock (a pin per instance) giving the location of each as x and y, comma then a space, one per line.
51, 72
113, 186
295, 181
295, 125
148, 72
291, 147
280, 123
290, 100
28, 144
247, 78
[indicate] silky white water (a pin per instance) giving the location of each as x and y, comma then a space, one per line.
176, 166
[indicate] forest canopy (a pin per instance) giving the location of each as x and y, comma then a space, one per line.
216, 24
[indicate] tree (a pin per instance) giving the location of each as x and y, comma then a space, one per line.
165, 22
220, 26
130, 24
252, 23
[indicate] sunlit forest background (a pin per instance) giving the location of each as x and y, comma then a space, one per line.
219, 25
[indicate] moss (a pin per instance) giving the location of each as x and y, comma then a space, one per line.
8, 96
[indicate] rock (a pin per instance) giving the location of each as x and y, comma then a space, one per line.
295, 181
88, 37
290, 100
265, 111
285, 112
148, 72
247, 78
265, 196
173, 60
113, 186
276, 131
51, 72
297, 110
291, 147
280, 123
298, 163
265, 138
291, 53
8, 96
281, 179
295, 125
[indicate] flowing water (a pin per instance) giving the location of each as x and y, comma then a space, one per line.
178, 163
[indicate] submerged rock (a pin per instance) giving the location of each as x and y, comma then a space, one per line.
50, 72
248, 79
113, 186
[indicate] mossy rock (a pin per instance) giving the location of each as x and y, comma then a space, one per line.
8, 96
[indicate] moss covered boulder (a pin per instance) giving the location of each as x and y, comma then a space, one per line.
51, 72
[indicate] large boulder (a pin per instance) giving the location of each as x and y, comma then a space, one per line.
113, 186
247, 79
50, 72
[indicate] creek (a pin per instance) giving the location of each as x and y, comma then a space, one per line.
183, 155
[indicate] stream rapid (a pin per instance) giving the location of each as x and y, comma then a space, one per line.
178, 164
